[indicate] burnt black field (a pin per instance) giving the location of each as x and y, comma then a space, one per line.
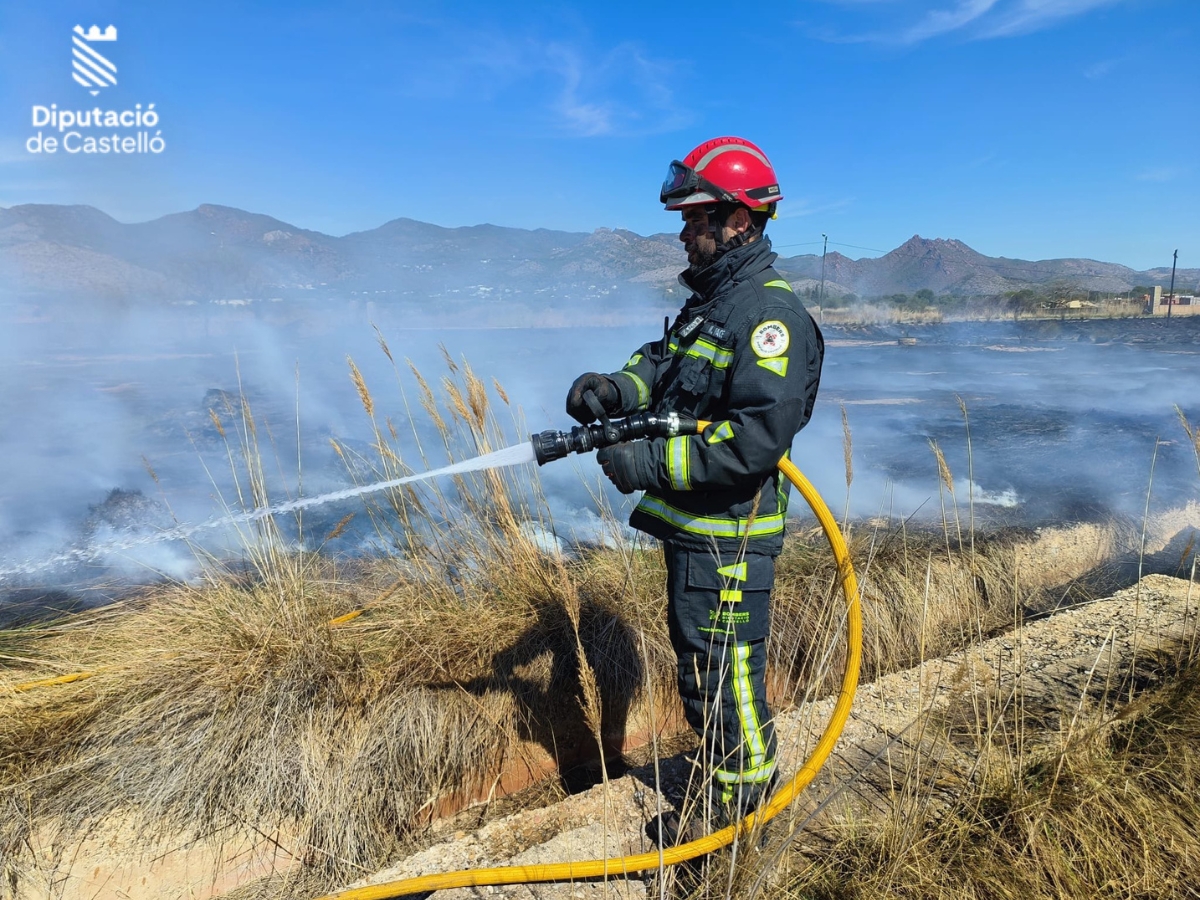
1067, 422
1066, 419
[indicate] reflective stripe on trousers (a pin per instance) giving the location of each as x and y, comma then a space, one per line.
717, 614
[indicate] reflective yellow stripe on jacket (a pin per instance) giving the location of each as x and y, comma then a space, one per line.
678, 465
643, 392
710, 526
702, 349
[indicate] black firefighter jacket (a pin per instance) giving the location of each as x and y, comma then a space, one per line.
745, 355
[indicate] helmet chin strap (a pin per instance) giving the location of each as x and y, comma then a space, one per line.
716, 219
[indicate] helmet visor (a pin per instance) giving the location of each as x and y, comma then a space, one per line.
681, 180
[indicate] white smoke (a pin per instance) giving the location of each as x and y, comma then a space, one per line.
1006, 499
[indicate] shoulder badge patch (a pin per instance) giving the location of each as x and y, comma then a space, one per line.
770, 339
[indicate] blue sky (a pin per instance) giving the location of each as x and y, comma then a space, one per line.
1026, 128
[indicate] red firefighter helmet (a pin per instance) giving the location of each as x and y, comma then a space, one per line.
729, 169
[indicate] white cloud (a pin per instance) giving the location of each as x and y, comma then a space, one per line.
580, 116
975, 20
942, 21
621, 92
1034, 15
587, 91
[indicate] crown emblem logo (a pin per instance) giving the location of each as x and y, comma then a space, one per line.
91, 68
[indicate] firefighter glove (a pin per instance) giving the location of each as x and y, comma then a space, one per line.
605, 391
628, 466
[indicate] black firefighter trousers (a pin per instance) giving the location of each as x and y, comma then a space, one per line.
718, 614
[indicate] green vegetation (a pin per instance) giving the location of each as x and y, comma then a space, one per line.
923, 306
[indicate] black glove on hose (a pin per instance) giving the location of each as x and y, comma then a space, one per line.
627, 465
600, 385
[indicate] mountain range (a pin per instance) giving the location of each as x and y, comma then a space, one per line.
215, 253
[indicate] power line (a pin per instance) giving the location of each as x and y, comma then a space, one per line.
804, 244
834, 243
856, 247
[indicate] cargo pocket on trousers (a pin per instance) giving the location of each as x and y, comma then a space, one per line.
736, 593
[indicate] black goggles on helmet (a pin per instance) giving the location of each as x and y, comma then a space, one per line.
683, 181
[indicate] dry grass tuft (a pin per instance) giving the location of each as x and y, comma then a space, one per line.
361, 386
500, 392
236, 702
1112, 811
847, 448
339, 528
383, 344
216, 420
919, 600
943, 469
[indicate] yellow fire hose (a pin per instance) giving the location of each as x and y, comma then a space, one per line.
596, 868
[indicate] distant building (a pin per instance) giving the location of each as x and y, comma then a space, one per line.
1181, 305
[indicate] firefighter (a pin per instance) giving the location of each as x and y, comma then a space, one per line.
744, 355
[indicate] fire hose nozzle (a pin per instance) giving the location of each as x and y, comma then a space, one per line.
551, 445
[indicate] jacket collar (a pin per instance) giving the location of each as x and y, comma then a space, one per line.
736, 265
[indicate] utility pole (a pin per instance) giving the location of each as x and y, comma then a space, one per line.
821, 294
1171, 290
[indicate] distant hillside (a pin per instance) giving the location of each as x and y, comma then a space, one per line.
951, 267
217, 252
